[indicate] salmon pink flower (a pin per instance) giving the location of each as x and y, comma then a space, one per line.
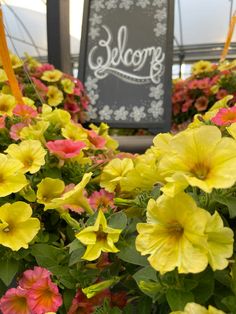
31, 276
221, 93
2, 122
65, 148
225, 116
97, 140
201, 103
24, 111
44, 296
101, 200
16, 129
15, 301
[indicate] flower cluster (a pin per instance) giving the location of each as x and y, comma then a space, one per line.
45, 84
196, 94
87, 229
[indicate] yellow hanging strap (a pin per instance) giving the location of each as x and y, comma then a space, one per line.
229, 37
6, 63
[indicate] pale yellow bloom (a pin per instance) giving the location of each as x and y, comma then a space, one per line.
51, 76
174, 235
30, 153
49, 189
17, 228
75, 132
55, 96
114, 172
16, 62
99, 238
68, 86
12, 179
7, 104
34, 131
194, 308
198, 160
201, 67
58, 117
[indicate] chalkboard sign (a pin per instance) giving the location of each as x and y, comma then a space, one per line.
126, 62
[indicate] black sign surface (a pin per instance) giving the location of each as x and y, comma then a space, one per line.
126, 61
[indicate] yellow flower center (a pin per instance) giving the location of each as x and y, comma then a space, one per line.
4, 107
2, 179
175, 229
200, 170
101, 236
28, 162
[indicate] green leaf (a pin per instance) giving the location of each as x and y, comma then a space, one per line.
146, 273
68, 296
76, 256
117, 220
230, 303
8, 270
75, 245
205, 287
228, 201
47, 255
177, 299
129, 254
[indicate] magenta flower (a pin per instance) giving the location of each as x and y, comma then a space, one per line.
65, 148
15, 301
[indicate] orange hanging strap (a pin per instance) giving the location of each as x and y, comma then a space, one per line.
6, 62
229, 37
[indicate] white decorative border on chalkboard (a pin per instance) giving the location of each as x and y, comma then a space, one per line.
156, 108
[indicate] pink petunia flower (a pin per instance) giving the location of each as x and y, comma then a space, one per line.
77, 91
97, 140
2, 122
43, 296
15, 301
102, 200
16, 129
225, 116
221, 94
40, 86
65, 148
31, 276
24, 111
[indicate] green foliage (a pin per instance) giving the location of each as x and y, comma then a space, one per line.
8, 270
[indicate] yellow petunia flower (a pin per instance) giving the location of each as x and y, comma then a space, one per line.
98, 238
201, 67
74, 198
220, 241
12, 179
143, 176
75, 132
3, 76
55, 96
198, 160
58, 117
51, 76
30, 153
16, 62
34, 131
114, 172
49, 189
29, 102
68, 86
174, 235
194, 308
7, 103
17, 228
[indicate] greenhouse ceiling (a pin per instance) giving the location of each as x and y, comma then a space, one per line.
200, 27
